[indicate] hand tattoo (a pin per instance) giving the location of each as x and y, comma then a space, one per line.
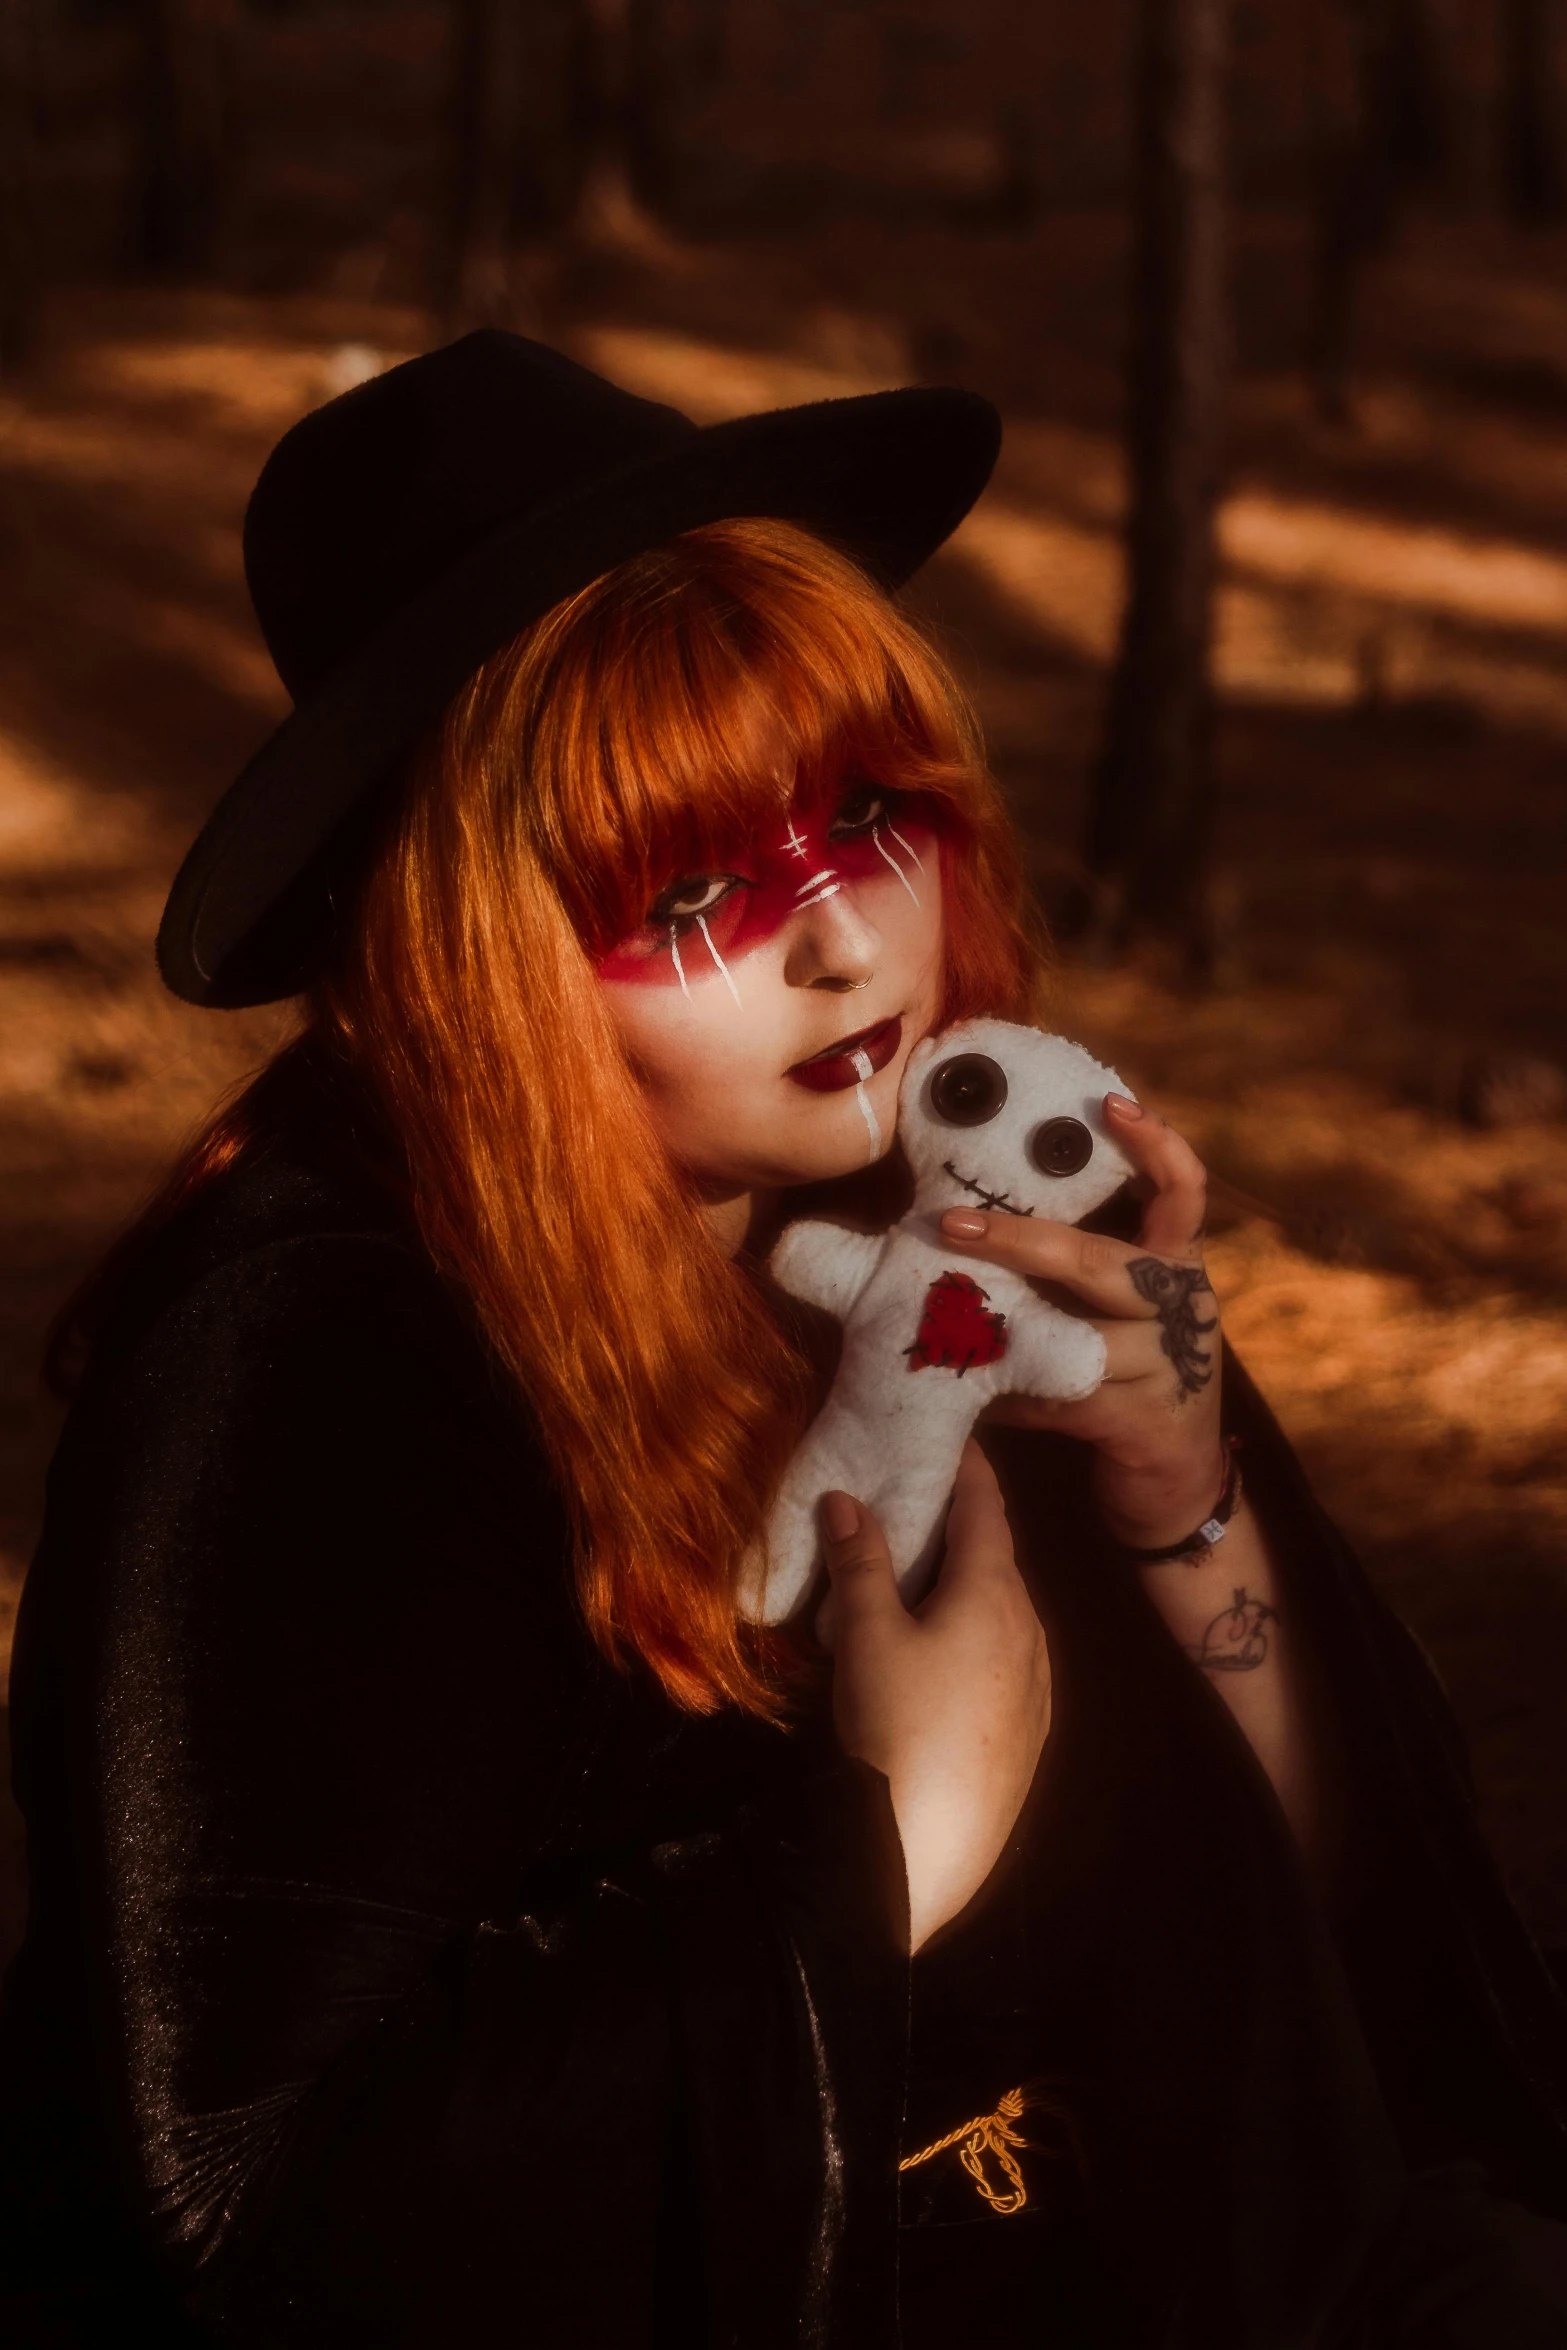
1237, 1640
1170, 1290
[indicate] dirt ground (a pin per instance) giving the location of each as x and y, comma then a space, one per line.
1376, 1078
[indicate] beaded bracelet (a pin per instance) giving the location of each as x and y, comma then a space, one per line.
1211, 1530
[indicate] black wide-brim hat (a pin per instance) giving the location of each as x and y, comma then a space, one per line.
403, 533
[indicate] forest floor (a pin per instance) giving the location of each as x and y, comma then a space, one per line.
1376, 1075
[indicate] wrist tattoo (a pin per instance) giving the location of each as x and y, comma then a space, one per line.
1237, 1640
1171, 1291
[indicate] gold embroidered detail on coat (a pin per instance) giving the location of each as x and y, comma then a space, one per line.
986, 2134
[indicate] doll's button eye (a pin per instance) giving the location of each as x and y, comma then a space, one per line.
1062, 1146
969, 1091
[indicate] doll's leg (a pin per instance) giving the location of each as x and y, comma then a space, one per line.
902, 1474
913, 1490
824, 1462
793, 1547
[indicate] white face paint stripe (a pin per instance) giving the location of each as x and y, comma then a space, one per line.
831, 891
680, 969
892, 861
826, 874
903, 844
794, 843
872, 1129
860, 1061
723, 968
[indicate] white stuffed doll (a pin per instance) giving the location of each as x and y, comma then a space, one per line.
991, 1115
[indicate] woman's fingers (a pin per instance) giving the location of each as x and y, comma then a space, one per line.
1175, 1215
1134, 1352
1089, 1263
1109, 1275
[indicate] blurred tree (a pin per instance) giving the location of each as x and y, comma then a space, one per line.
551, 137
490, 140
1535, 108
1393, 130
185, 60
1150, 818
19, 270
621, 53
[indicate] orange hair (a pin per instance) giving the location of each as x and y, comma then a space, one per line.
634, 733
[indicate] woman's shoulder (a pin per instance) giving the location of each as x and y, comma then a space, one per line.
301, 1546
287, 1407
291, 1304
302, 1231
281, 1245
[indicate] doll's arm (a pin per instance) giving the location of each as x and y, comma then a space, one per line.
825, 1265
1050, 1353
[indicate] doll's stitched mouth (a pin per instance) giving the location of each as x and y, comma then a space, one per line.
986, 1199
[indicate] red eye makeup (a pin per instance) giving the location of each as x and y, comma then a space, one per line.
707, 921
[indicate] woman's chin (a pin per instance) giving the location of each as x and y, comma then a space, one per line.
818, 1139
789, 1173
830, 1166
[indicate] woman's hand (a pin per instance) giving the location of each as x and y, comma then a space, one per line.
1155, 1420
1159, 1466
952, 1702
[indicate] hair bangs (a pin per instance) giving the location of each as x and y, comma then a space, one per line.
679, 705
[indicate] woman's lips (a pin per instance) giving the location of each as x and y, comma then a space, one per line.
852, 1059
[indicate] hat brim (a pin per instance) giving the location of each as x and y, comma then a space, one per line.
886, 477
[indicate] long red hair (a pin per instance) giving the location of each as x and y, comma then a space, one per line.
636, 732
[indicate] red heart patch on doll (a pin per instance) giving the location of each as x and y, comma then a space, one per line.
957, 1330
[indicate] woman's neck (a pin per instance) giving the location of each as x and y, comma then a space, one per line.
742, 1219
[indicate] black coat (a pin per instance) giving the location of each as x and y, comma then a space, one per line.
398, 1972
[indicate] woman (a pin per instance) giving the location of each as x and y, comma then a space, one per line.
447, 1912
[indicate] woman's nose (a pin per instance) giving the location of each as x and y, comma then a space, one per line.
833, 947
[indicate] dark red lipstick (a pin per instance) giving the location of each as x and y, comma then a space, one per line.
852, 1059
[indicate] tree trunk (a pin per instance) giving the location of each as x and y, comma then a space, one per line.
1400, 130
19, 222
184, 61
617, 49
490, 137
1151, 816
549, 128
1535, 129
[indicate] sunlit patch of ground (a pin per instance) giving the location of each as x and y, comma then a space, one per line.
1390, 868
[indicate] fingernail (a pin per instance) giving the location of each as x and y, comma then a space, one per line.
1124, 1104
840, 1516
964, 1224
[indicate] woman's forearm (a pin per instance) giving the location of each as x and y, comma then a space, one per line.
1230, 1616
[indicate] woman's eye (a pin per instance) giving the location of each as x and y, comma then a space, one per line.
697, 894
858, 813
